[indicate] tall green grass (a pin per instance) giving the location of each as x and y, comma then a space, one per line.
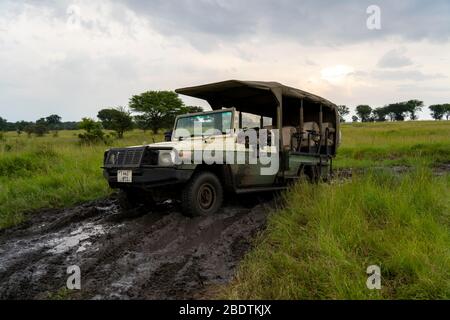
320, 244
51, 172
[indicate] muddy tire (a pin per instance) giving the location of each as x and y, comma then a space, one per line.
202, 195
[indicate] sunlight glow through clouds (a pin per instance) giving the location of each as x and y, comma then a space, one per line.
336, 74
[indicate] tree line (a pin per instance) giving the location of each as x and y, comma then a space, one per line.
38, 127
154, 110
399, 111
151, 110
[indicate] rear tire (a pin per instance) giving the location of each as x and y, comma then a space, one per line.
202, 195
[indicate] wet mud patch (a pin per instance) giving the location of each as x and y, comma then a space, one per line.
146, 253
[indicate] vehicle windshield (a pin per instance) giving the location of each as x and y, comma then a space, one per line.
203, 125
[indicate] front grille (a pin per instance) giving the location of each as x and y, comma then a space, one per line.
150, 157
129, 157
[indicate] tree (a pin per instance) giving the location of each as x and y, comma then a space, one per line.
3, 124
355, 119
397, 111
413, 106
53, 122
142, 122
447, 110
364, 112
380, 114
93, 131
158, 108
343, 111
41, 127
192, 109
20, 126
29, 129
437, 111
116, 119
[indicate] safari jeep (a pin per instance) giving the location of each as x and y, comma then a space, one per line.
259, 136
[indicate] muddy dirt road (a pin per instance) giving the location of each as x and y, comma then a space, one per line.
141, 254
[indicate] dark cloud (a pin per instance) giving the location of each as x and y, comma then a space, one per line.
319, 22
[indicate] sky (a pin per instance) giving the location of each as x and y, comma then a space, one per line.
75, 57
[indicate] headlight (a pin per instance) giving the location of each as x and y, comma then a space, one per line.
166, 158
112, 159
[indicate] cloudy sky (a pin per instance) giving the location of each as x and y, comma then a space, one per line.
75, 57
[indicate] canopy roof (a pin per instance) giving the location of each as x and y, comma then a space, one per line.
238, 93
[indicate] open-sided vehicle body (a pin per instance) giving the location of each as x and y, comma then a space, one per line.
209, 153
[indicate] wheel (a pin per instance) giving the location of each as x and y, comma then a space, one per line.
202, 195
134, 198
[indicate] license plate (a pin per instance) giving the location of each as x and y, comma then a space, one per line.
125, 176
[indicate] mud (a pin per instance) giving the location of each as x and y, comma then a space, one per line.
147, 253
347, 173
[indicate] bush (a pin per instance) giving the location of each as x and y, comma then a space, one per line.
93, 132
40, 129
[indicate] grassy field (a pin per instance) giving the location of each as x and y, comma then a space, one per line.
394, 143
48, 172
321, 242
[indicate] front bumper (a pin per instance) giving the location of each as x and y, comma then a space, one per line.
148, 177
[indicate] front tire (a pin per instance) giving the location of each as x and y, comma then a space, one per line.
202, 195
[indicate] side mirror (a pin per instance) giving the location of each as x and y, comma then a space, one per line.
168, 136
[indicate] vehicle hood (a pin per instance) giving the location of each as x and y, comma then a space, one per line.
190, 144
178, 145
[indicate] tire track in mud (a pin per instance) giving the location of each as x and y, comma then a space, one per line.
143, 254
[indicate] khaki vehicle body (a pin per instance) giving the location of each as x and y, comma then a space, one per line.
301, 133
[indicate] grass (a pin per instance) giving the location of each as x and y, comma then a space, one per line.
394, 143
49, 172
42, 172
320, 244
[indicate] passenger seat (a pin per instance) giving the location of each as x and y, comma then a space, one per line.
309, 127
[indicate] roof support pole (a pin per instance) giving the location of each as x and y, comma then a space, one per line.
321, 120
240, 120
302, 118
280, 123
322, 134
301, 126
